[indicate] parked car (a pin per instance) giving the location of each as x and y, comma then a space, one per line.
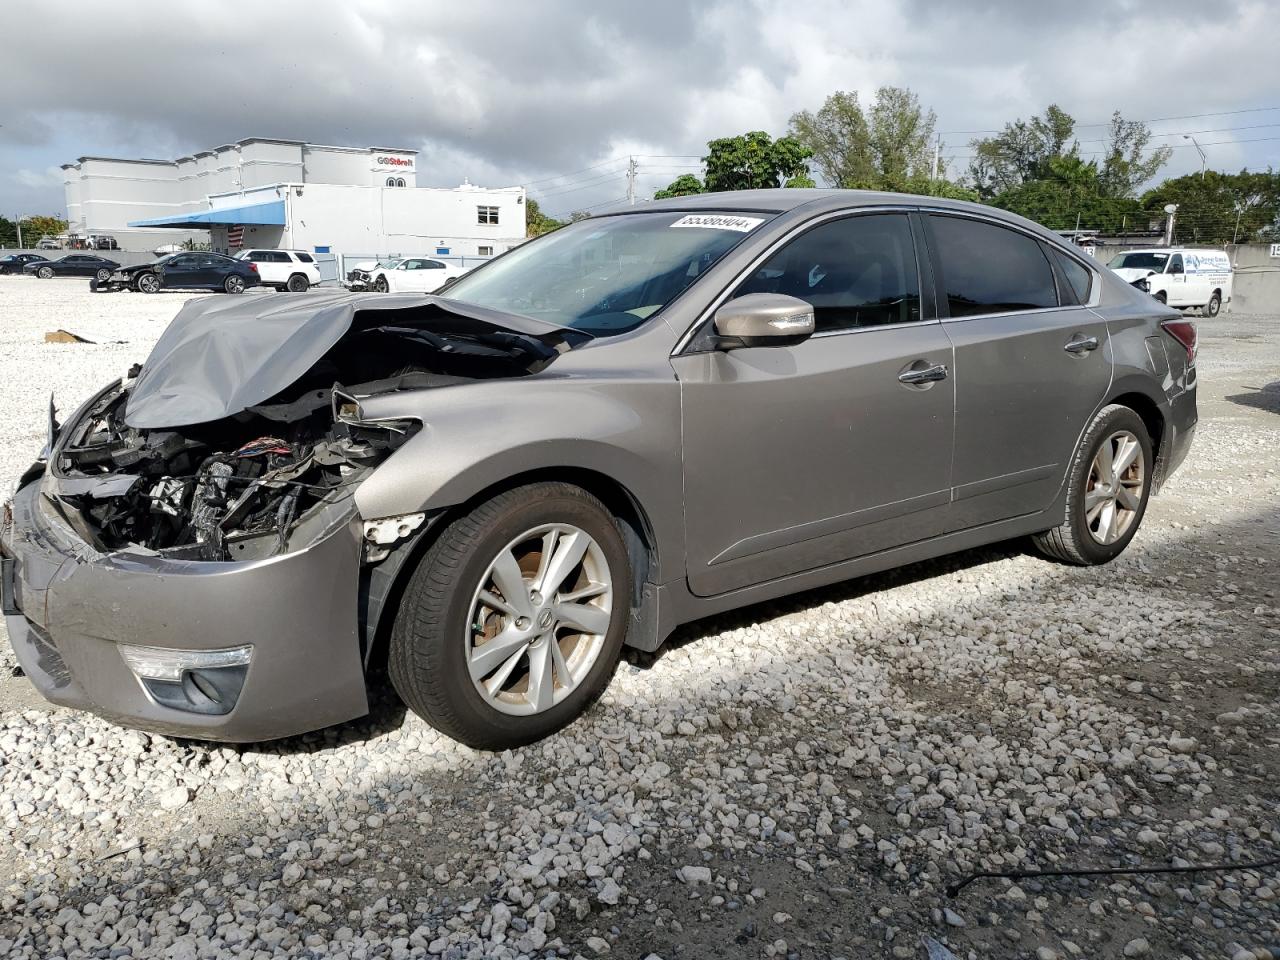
73, 265
360, 276
48, 243
292, 270
101, 241
14, 262
636, 421
1179, 276
413, 275
184, 271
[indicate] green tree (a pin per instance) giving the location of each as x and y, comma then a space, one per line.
682, 186
884, 148
754, 161
8, 233
1221, 207
1127, 165
1021, 151
1070, 193
536, 223
33, 228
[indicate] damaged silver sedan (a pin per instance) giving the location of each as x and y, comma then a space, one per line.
633, 422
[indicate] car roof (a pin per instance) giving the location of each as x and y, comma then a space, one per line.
817, 201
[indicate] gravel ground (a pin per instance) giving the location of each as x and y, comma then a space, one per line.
800, 779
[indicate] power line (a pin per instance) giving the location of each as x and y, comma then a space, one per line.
574, 173
1106, 123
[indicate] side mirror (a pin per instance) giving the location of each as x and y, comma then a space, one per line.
763, 320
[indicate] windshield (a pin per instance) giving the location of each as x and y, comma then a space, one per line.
608, 275
1139, 261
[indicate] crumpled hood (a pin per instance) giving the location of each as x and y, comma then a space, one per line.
1130, 274
221, 355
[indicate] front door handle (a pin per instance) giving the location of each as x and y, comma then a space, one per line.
1080, 345
929, 374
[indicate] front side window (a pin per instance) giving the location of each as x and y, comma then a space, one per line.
856, 272
1175, 263
486, 214
606, 275
990, 269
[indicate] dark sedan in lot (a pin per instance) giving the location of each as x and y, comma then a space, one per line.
14, 262
183, 271
73, 265
653, 415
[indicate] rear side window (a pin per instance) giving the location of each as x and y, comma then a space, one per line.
1075, 278
990, 269
305, 257
856, 272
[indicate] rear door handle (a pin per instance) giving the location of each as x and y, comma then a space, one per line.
1080, 345
930, 374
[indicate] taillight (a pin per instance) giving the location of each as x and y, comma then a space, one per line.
253, 266
1184, 331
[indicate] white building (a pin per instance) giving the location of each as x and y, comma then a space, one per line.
285, 193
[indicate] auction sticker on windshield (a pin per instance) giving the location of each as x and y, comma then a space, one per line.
710, 221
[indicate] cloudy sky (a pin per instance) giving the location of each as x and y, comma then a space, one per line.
557, 94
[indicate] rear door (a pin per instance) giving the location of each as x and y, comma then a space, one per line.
1032, 363
799, 457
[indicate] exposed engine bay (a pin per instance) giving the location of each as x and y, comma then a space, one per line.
257, 483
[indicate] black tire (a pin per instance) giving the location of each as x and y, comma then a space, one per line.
45, 273
380, 285
1161, 296
1214, 305
103, 275
1072, 541
233, 284
427, 659
147, 283
298, 284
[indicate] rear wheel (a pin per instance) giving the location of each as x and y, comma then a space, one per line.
45, 273
148, 283
1107, 490
1214, 305
233, 284
298, 284
513, 623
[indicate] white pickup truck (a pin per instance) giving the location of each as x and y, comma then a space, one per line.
1179, 276
292, 270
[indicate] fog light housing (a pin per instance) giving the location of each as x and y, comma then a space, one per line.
196, 681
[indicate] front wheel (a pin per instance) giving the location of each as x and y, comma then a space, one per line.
149, 283
233, 284
1214, 305
381, 285
1162, 297
513, 623
1107, 490
45, 273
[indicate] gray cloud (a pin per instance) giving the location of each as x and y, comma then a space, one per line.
516, 92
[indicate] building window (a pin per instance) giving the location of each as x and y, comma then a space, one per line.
484, 251
486, 214
399, 181
391, 181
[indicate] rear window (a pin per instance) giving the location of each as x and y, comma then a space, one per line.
305, 257
991, 269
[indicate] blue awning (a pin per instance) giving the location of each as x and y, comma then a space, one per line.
269, 214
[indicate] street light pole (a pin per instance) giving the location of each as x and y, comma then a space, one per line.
1199, 150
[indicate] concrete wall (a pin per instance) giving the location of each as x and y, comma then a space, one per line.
1256, 284
126, 258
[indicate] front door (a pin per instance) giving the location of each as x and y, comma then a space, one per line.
800, 457
1031, 364
181, 271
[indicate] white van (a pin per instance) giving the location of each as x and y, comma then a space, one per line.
1179, 276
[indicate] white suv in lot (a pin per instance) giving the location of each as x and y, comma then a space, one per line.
292, 270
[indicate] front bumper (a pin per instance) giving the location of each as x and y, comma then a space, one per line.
68, 609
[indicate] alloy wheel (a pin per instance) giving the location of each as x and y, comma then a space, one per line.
1117, 479
538, 619
234, 285
149, 283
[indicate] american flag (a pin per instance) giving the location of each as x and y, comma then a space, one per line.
235, 236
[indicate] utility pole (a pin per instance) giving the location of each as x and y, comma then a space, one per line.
632, 167
937, 156
1199, 150
18, 221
